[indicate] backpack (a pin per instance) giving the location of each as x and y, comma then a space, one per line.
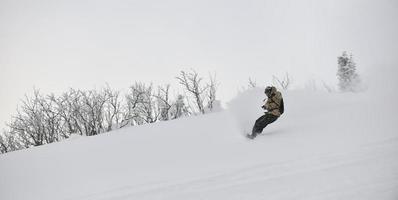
281, 107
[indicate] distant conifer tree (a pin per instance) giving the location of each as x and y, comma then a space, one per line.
348, 78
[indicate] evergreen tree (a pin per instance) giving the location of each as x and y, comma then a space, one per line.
178, 108
348, 78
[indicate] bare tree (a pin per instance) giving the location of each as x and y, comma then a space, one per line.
91, 112
132, 100
163, 102
37, 122
327, 87
212, 91
69, 106
7, 142
252, 83
283, 83
141, 105
311, 85
113, 115
52, 124
193, 84
3, 143
27, 123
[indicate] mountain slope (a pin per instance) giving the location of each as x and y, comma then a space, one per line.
325, 146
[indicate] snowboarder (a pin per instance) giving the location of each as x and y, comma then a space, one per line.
275, 108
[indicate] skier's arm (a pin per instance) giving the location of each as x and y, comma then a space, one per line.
265, 104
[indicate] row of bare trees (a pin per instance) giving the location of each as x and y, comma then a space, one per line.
43, 119
282, 83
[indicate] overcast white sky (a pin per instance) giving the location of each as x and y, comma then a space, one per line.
54, 45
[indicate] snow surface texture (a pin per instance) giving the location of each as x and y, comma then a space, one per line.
325, 146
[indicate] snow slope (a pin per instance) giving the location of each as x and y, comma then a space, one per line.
325, 146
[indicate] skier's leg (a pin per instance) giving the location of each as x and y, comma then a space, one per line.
262, 122
258, 126
270, 118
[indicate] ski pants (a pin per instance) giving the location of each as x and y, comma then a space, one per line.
262, 122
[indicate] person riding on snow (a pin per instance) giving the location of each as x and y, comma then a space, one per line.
275, 108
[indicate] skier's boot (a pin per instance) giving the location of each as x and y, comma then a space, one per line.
252, 136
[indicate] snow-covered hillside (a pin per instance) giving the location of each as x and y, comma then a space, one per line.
325, 146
